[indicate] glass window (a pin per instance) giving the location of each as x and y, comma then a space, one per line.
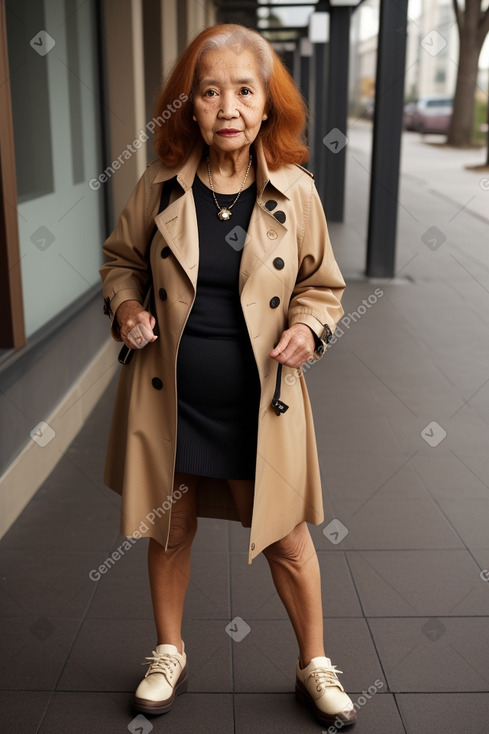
56, 105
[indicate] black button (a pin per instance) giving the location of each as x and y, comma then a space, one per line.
163, 294
157, 383
280, 216
270, 205
278, 263
274, 302
165, 251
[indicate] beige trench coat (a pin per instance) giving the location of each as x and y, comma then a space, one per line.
287, 258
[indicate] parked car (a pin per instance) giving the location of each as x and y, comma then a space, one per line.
429, 114
409, 114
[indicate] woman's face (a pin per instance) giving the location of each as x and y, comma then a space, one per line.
230, 98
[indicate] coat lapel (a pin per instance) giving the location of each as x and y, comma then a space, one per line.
178, 223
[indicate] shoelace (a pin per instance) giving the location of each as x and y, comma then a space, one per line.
164, 663
324, 677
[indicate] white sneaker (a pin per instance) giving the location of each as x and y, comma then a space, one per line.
318, 686
165, 678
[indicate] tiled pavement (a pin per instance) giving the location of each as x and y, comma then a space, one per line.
404, 601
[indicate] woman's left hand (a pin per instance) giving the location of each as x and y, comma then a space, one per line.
295, 347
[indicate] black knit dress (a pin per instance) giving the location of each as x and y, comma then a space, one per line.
217, 380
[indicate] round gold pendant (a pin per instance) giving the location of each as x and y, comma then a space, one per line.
224, 215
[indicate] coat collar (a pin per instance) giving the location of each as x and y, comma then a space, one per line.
178, 223
185, 173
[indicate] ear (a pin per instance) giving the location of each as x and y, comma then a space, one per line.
194, 118
265, 116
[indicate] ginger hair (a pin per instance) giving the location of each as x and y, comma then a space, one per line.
282, 134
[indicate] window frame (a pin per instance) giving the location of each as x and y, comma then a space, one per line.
12, 330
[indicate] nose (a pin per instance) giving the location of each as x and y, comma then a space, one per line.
228, 109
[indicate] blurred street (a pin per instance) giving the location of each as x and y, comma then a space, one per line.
403, 433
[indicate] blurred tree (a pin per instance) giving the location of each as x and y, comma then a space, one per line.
473, 27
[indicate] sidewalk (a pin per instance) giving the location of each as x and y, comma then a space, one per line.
445, 171
403, 433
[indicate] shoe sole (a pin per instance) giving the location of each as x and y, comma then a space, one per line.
145, 706
303, 695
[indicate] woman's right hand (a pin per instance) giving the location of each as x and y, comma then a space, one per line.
135, 324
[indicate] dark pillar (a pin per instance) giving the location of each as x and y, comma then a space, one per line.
318, 109
389, 101
288, 59
305, 53
234, 11
332, 158
304, 75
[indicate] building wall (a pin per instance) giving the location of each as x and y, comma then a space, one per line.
131, 57
437, 72
426, 72
48, 386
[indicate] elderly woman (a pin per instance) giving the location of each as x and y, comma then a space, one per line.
212, 418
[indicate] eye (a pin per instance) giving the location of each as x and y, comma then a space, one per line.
245, 91
210, 93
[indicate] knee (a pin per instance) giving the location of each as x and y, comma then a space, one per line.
183, 527
293, 550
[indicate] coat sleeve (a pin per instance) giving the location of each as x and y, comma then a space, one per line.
316, 297
125, 273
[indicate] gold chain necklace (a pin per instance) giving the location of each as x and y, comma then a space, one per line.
224, 212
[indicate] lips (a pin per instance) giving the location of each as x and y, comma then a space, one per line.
229, 132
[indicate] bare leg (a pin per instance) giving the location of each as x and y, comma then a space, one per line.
243, 491
169, 571
295, 571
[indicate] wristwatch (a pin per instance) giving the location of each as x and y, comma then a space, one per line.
323, 339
